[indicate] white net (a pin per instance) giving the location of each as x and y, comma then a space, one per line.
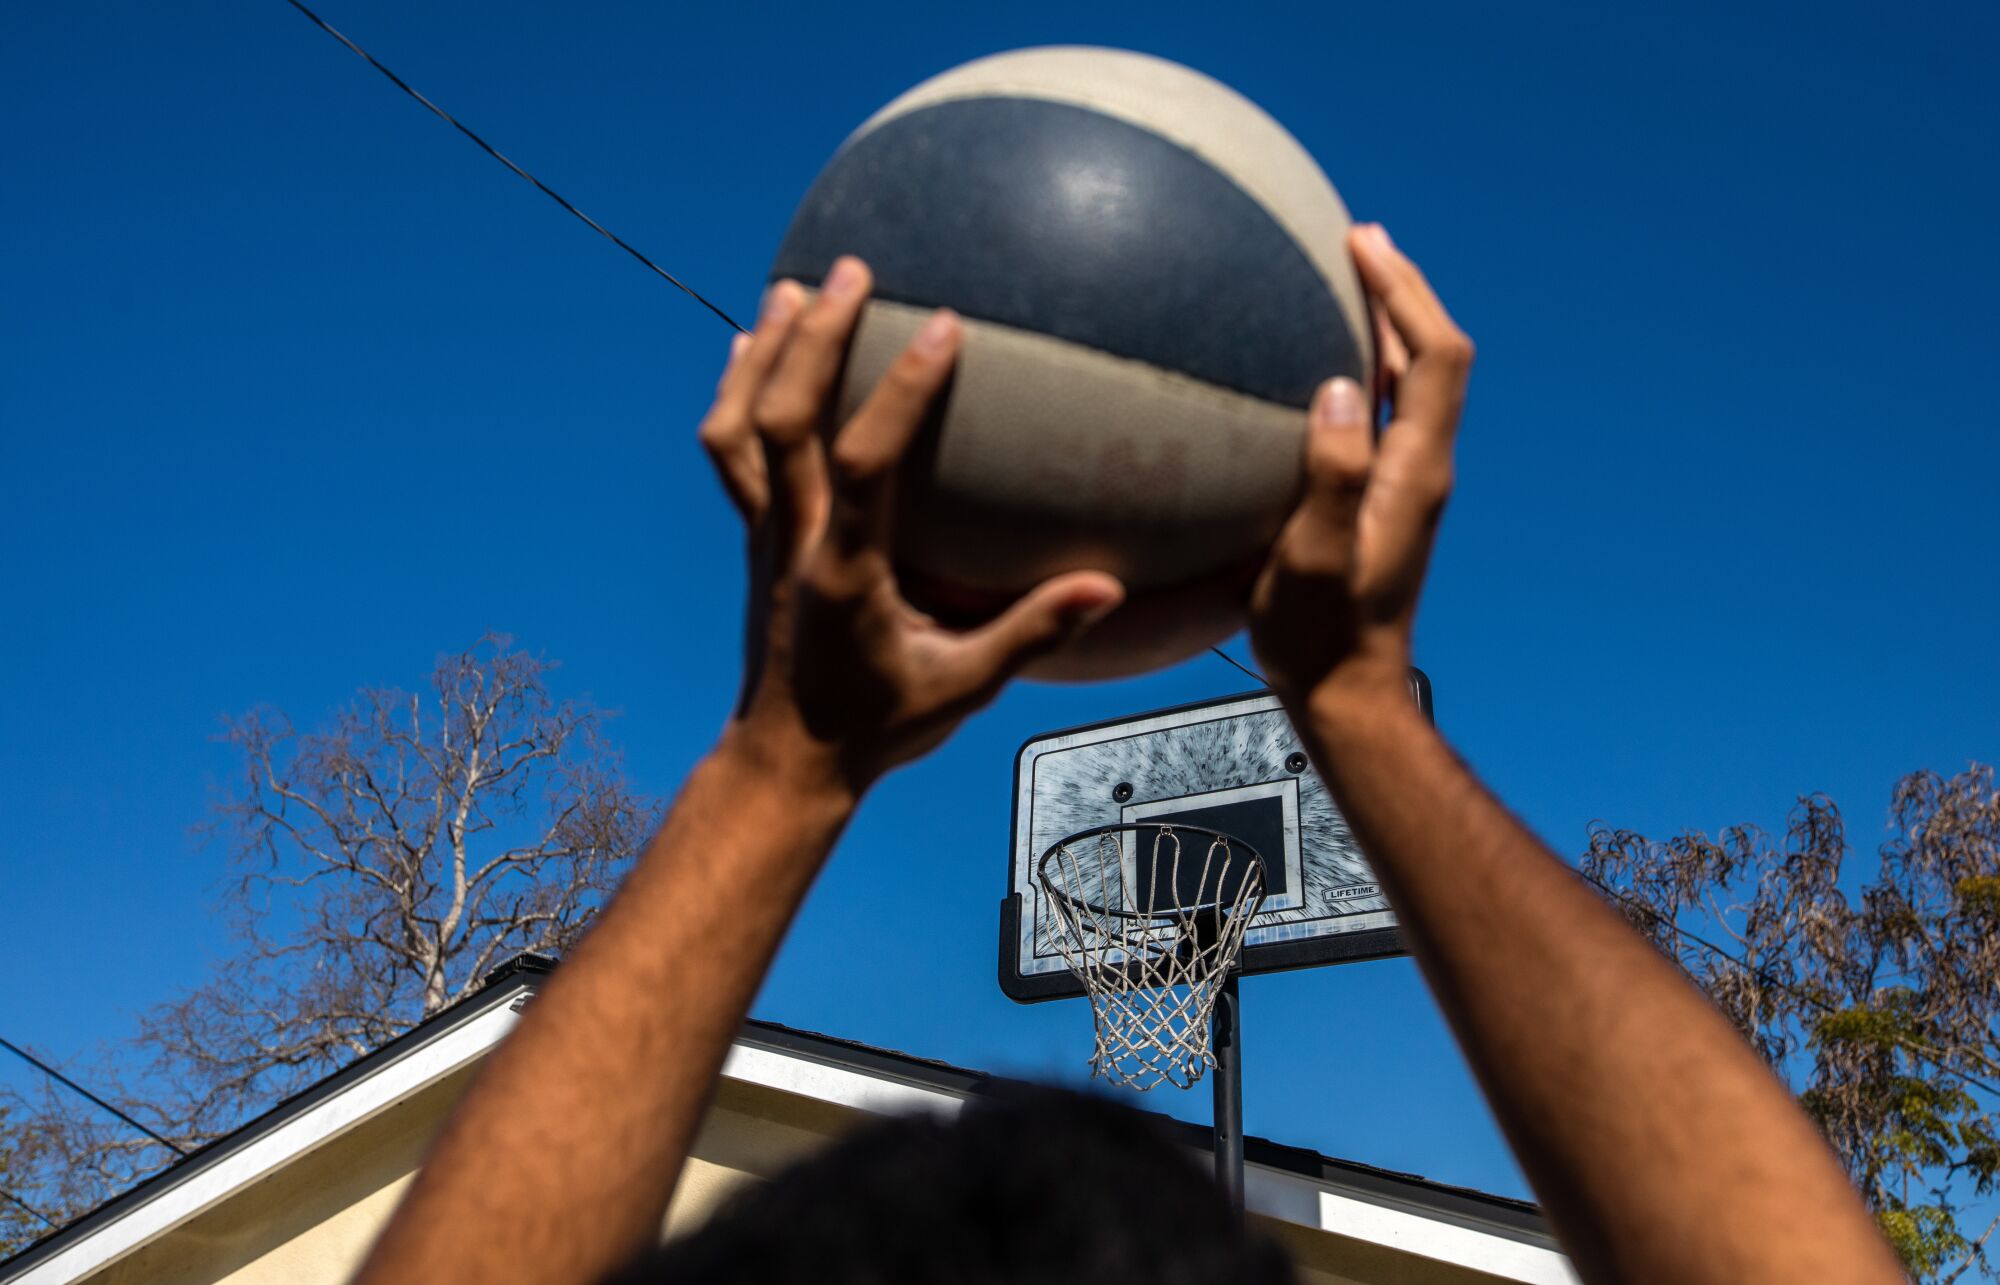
1151, 918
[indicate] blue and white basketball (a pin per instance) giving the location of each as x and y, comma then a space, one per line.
1154, 279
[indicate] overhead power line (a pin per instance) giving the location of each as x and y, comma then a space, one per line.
496, 154
595, 226
1231, 660
76, 1088
1935, 1057
1931, 1055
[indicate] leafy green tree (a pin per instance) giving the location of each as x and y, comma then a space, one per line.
1874, 993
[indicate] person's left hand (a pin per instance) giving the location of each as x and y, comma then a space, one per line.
843, 677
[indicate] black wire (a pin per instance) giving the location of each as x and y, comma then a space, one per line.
494, 152
1926, 1053
14, 1199
601, 230
60, 1078
620, 242
1923, 1051
1261, 681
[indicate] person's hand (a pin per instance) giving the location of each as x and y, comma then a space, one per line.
1332, 612
842, 675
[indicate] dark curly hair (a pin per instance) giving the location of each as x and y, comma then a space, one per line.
1027, 1186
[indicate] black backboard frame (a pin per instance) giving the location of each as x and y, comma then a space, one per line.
1271, 957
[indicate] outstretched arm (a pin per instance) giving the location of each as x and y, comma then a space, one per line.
559, 1162
1660, 1145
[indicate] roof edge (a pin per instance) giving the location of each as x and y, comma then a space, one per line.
505, 986
512, 983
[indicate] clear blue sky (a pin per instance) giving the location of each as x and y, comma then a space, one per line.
301, 390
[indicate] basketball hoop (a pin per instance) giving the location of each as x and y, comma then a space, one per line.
1153, 933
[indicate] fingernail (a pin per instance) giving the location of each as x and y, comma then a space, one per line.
1342, 403
1380, 236
844, 280
736, 347
937, 333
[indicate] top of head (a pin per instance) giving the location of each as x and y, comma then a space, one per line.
1154, 279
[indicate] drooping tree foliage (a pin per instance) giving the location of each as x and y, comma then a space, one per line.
1874, 992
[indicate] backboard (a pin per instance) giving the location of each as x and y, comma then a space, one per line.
1232, 765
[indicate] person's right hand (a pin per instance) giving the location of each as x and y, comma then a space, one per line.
843, 673
1331, 614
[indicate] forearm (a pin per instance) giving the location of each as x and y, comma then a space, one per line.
1662, 1148
559, 1162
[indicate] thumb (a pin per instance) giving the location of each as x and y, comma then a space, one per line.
1051, 614
1319, 539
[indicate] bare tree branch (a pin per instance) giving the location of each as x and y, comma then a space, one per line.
384, 865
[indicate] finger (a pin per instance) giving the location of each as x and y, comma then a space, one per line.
1401, 513
794, 402
726, 431
1432, 388
737, 343
1392, 359
869, 448
1053, 613
738, 464
1319, 538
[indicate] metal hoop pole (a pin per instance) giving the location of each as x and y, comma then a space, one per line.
1226, 1044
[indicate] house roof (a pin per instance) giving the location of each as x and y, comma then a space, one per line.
1506, 1237
1276, 1155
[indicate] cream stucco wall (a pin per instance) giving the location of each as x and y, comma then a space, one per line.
312, 1221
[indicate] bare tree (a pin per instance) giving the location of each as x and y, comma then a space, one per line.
21, 1223
1878, 998
383, 865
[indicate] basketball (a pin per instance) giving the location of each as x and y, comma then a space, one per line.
1154, 280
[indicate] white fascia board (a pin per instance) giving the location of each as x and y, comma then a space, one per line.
1428, 1237
1273, 1193
839, 1085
